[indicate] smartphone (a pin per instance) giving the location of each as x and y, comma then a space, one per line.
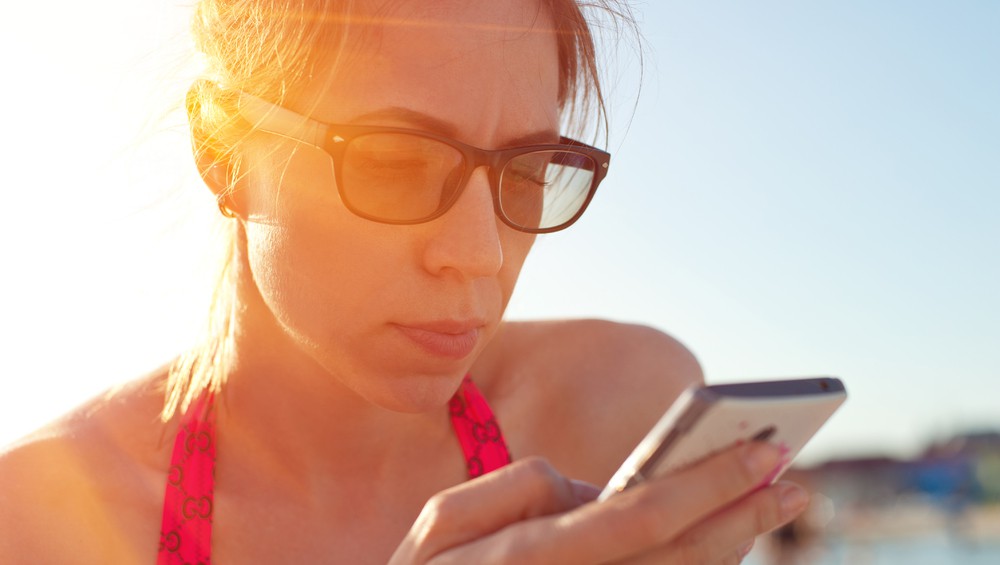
707, 419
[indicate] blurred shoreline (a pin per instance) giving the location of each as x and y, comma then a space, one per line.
911, 532
942, 506
915, 519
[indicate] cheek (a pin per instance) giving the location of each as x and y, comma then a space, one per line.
300, 245
315, 279
516, 246
281, 270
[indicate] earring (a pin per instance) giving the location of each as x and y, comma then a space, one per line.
226, 210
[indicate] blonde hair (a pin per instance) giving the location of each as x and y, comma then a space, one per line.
268, 48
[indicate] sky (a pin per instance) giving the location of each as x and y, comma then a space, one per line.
796, 189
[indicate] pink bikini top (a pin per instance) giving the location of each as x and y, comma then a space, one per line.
186, 530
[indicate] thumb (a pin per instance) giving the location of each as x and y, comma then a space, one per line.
472, 510
585, 492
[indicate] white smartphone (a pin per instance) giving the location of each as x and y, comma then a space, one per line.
704, 420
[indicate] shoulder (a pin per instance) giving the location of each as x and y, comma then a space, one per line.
79, 489
584, 392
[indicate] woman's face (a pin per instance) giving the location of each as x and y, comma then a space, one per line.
398, 313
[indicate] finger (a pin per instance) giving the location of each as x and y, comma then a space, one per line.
747, 548
585, 492
526, 489
647, 516
659, 557
722, 536
657, 512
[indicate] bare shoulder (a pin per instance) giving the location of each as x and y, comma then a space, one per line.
584, 392
81, 489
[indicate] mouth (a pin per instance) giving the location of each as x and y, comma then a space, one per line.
447, 339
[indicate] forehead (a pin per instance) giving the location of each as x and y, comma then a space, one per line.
482, 19
478, 62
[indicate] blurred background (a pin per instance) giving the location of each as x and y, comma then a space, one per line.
799, 189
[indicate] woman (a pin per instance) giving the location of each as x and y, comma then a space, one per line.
385, 168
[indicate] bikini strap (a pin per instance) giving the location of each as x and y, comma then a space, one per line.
478, 432
186, 530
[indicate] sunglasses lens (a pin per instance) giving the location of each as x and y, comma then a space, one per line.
399, 177
543, 190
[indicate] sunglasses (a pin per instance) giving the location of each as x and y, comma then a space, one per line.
405, 176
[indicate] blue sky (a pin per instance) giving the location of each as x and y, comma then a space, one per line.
810, 189
803, 189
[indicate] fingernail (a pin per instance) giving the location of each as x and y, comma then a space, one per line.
793, 501
761, 458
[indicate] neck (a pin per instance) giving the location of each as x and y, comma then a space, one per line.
287, 415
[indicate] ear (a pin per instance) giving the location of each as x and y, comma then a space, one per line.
218, 178
214, 171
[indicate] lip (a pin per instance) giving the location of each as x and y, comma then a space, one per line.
446, 338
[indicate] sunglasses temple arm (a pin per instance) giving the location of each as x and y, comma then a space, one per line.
281, 121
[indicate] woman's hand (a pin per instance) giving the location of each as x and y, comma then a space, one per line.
527, 513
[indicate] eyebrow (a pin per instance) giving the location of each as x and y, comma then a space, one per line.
419, 120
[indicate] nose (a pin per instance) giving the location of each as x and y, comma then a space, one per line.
466, 239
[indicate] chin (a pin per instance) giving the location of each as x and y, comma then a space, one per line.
415, 394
